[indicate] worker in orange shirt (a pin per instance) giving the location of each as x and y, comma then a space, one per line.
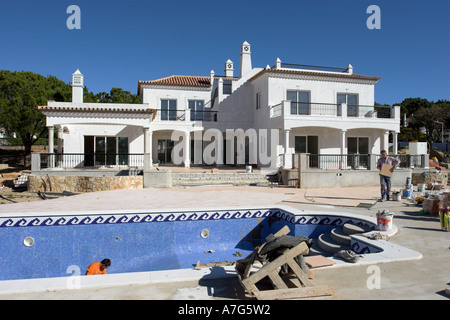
98, 267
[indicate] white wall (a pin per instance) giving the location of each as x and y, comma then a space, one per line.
154, 95
320, 91
74, 140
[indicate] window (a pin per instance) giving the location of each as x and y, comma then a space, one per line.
169, 110
227, 87
100, 151
299, 102
258, 100
352, 103
196, 107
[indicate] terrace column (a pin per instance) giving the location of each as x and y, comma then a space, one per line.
51, 158
343, 147
187, 149
60, 135
148, 135
146, 140
386, 141
395, 142
59, 146
51, 134
287, 153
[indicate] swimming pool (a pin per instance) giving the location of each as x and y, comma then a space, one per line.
37, 245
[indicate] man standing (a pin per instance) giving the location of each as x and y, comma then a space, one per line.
385, 181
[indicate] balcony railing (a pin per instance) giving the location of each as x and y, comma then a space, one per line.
205, 115
308, 108
356, 161
188, 115
287, 107
338, 161
92, 160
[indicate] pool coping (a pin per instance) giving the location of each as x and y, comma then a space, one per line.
389, 252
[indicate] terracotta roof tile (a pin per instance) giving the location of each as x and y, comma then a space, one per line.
186, 81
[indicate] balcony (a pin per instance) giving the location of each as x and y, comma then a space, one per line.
187, 115
289, 108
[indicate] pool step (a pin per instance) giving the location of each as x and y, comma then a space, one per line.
337, 239
340, 237
326, 243
350, 229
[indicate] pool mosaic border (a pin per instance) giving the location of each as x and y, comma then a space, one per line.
201, 215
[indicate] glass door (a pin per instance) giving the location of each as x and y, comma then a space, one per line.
111, 144
358, 150
123, 150
165, 147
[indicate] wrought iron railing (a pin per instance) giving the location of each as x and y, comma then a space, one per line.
195, 115
358, 161
90, 160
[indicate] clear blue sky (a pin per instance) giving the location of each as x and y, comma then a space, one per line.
121, 42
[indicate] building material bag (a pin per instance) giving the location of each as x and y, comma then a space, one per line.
431, 205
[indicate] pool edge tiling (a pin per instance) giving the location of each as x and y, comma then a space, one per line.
174, 231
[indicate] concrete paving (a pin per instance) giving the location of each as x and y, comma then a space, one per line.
426, 278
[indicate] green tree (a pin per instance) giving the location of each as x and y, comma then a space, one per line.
426, 117
116, 95
410, 105
20, 94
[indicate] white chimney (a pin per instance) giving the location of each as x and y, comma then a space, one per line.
246, 60
229, 71
350, 69
211, 75
77, 87
278, 64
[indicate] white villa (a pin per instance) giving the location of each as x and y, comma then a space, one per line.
315, 110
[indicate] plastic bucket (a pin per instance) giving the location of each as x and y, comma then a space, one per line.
421, 187
384, 221
407, 193
396, 196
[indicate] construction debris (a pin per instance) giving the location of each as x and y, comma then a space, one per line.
376, 236
213, 264
283, 263
348, 255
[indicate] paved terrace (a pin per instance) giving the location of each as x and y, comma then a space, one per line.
426, 278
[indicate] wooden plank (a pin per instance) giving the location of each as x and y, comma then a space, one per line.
282, 232
301, 248
299, 272
278, 283
294, 293
249, 265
